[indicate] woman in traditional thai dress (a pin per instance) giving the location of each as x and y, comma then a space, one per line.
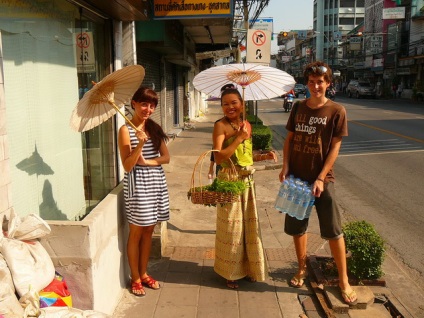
238, 245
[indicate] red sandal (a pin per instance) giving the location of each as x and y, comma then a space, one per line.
137, 289
150, 282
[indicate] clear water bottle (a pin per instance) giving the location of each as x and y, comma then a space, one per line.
310, 205
304, 201
291, 197
282, 195
298, 194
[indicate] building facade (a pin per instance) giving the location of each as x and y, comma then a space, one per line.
51, 54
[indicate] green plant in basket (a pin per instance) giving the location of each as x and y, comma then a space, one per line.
367, 248
234, 187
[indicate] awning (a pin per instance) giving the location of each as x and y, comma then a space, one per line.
123, 10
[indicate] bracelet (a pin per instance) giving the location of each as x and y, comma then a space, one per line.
319, 179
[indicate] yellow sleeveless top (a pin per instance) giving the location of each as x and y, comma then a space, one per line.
243, 155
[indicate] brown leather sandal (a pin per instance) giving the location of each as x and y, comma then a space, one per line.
150, 282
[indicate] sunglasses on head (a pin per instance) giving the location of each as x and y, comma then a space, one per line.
318, 69
227, 86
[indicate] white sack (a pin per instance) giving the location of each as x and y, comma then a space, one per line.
29, 227
29, 264
9, 303
31, 303
66, 312
5, 276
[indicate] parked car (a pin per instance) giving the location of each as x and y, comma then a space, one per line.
360, 89
299, 89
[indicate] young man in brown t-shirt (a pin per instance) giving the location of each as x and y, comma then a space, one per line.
315, 129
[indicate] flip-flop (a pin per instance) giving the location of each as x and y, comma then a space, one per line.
298, 282
350, 298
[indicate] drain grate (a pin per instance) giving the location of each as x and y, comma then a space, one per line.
281, 254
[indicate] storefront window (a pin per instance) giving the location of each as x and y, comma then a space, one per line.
56, 172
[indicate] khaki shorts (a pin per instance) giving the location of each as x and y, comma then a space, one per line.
328, 215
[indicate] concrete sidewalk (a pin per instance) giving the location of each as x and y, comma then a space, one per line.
190, 287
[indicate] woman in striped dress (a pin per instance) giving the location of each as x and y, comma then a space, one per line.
143, 152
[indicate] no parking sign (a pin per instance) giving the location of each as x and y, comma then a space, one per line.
258, 46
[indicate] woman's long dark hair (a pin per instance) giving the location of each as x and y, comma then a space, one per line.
145, 94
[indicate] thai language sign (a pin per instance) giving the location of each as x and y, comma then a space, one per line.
394, 13
180, 9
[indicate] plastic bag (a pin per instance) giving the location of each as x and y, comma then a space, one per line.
56, 294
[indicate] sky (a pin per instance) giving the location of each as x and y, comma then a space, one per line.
288, 15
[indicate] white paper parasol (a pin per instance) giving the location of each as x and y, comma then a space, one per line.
100, 102
254, 81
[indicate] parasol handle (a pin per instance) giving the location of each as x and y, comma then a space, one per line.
111, 102
244, 106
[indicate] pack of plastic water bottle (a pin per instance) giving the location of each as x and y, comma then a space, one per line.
295, 198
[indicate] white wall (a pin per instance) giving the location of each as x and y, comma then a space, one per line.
91, 254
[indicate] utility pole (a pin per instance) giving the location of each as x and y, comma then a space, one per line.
396, 49
245, 18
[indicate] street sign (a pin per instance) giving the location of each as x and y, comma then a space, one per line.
258, 46
302, 34
394, 13
85, 58
265, 24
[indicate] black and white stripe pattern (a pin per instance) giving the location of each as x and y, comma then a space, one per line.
146, 198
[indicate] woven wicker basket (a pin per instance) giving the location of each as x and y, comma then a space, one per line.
199, 195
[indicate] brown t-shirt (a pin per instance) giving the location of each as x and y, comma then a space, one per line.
313, 130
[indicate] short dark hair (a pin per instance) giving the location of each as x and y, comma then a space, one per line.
318, 68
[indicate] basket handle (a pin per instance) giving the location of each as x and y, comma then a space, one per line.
200, 162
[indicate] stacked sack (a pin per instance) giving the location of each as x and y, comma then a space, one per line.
30, 287
26, 264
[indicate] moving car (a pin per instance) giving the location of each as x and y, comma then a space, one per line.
360, 89
299, 89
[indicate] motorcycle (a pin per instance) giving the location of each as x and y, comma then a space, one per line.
288, 102
331, 93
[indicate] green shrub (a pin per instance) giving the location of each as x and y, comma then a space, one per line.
261, 137
367, 248
254, 120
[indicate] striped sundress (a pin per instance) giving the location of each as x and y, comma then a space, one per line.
145, 189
